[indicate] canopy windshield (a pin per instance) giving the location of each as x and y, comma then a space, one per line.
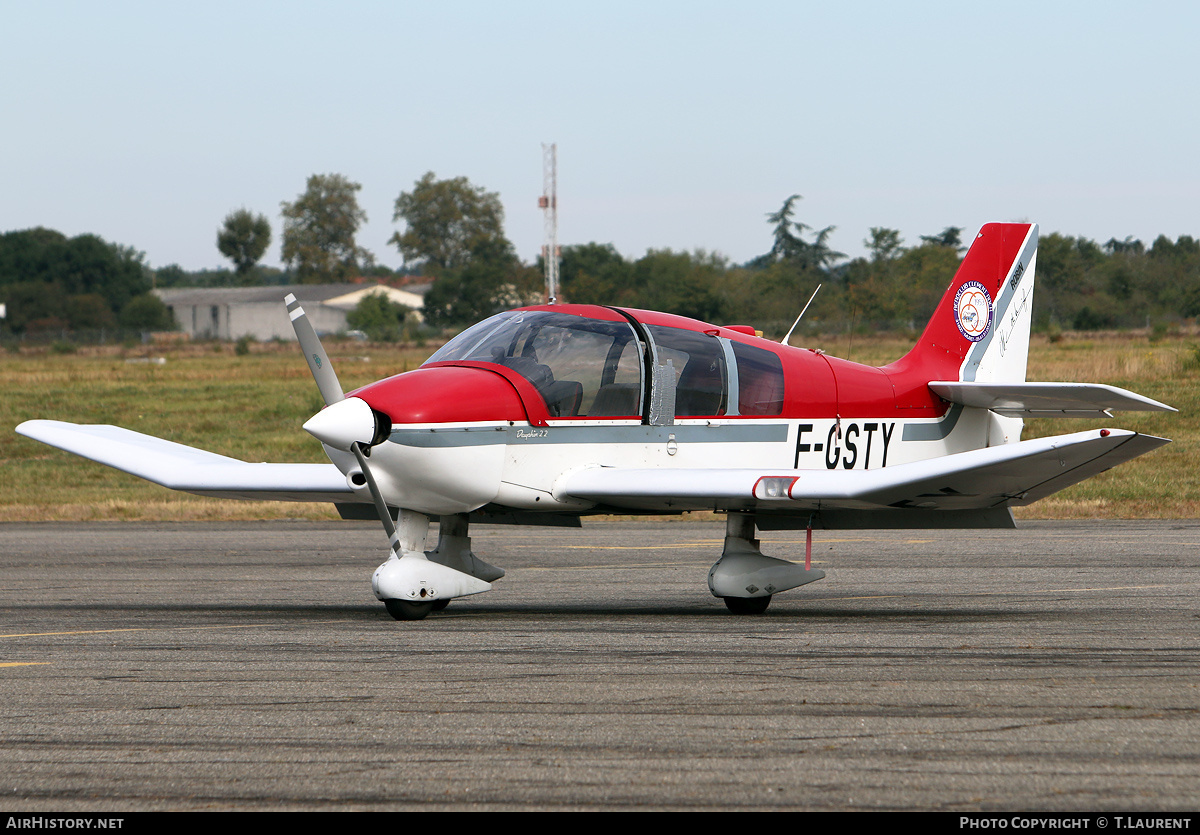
581, 367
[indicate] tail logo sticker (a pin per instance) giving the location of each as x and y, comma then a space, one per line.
973, 310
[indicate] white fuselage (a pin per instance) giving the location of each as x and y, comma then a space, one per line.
455, 468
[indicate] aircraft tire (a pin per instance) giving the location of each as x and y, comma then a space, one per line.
405, 610
440, 604
747, 605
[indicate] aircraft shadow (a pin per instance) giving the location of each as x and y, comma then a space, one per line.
186, 613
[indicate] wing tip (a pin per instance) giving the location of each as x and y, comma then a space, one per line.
32, 428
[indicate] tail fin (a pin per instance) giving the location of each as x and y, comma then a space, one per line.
980, 330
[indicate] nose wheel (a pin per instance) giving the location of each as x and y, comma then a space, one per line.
408, 610
747, 605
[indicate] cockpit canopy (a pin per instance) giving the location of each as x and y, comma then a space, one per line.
592, 367
581, 367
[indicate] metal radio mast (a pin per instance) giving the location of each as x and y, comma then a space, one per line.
548, 203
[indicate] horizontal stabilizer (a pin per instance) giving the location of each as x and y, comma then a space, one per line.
1085, 400
1012, 474
192, 470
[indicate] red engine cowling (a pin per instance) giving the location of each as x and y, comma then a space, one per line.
445, 394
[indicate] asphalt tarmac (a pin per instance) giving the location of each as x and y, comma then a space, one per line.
248, 666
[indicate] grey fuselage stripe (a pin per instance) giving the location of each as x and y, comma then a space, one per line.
636, 434
630, 434
933, 431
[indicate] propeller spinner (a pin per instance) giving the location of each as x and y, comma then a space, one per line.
347, 422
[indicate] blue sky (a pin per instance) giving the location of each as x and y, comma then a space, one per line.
679, 125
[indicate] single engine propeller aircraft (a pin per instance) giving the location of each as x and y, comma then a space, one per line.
548, 413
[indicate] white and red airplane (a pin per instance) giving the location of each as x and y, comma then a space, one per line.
546, 414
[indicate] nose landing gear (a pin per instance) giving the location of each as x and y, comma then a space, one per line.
419, 582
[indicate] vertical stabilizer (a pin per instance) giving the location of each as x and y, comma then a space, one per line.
980, 330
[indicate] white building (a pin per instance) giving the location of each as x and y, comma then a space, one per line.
259, 312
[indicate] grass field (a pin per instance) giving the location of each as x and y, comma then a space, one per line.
251, 407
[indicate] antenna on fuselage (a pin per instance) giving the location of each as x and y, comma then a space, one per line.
548, 203
784, 341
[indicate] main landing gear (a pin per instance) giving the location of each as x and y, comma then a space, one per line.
419, 582
745, 578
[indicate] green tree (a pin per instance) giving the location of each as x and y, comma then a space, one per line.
595, 273
34, 306
681, 283
42, 271
172, 275
492, 280
446, 222
1173, 279
769, 298
1128, 246
319, 230
789, 244
1068, 280
380, 318
950, 237
873, 296
89, 311
897, 293
884, 244
920, 277
148, 313
243, 238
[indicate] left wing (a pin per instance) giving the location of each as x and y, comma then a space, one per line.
1012, 474
192, 470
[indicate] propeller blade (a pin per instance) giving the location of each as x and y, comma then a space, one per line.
314, 353
344, 423
385, 515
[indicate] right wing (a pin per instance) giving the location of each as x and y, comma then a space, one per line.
1000, 476
192, 470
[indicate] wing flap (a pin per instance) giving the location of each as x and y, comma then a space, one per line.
181, 467
996, 476
1087, 400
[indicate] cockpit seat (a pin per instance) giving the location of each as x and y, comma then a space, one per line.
700, 390
540, 375
563, 397
615, 399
